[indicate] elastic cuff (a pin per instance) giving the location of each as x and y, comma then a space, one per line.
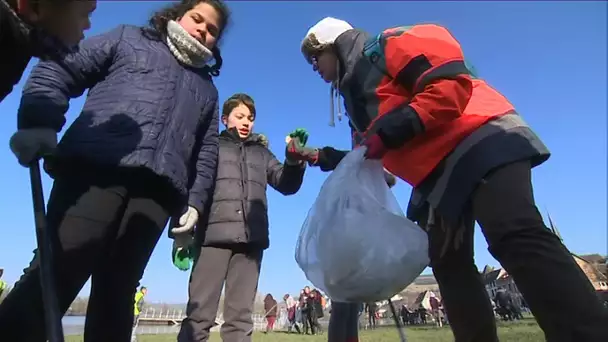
289, 162
196, 203
314, 158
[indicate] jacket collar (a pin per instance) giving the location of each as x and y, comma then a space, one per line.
254, 138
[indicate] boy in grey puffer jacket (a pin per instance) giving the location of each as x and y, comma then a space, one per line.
233, 232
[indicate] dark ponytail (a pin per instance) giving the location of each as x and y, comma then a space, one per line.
214, 70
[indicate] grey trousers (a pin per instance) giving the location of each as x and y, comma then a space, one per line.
239, 268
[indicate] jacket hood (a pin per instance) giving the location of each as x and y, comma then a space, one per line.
349, 50
348, 44
258, 138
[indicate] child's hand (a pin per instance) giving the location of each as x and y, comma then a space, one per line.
186, 222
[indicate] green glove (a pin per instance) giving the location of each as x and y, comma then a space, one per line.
182, 258
295, 151
301, 134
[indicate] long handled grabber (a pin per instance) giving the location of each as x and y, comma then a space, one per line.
45, 238
250, 331
400, 329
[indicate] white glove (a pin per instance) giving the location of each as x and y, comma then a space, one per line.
186, 222
28, 145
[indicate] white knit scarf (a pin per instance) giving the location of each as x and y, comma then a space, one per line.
186, 48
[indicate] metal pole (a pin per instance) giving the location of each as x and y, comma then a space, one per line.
45, 239
396, 318
250, 331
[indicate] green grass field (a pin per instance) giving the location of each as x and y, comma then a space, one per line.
523, 331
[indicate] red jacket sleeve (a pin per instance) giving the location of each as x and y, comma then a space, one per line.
428, 63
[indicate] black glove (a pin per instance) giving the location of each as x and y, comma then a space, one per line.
328, 158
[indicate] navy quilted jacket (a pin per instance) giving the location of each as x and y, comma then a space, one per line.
143, 109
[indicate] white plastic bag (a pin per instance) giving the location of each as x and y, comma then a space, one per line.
356, 244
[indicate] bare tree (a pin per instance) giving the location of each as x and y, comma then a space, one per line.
78, 307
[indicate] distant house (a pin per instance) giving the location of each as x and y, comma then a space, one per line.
592, 267
598, 261
424, 282
423, 300
412, 300
498, 279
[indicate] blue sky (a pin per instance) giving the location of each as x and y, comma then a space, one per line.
548, 58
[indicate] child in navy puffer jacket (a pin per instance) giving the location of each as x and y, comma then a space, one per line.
144, 149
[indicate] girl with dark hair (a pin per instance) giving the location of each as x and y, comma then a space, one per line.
308, 311
143, 150
163, 23
270, 310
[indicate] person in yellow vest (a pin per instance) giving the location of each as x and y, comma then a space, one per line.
3, 284
139, 303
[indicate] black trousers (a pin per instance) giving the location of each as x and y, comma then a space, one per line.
559, 294
343, 322
310, 321
107, 227
371, 319
556, 290
238, 266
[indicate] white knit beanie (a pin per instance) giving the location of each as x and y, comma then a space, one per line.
320, 36
324, 33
